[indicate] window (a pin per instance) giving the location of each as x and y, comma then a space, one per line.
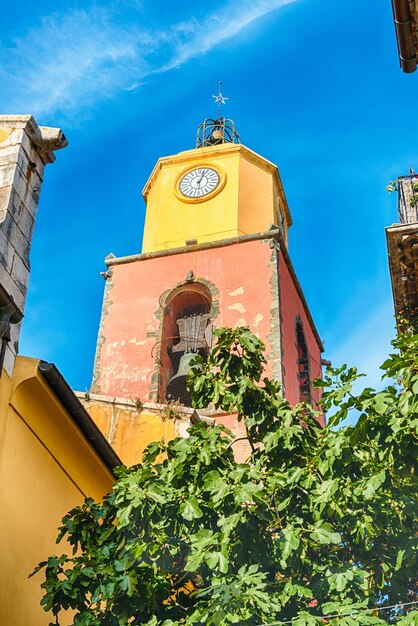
303, 363
186, 331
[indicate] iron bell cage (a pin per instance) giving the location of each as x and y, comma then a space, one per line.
213, 132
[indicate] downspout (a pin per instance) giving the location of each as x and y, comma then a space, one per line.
404, 35
72, 404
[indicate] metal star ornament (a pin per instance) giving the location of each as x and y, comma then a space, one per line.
220, 99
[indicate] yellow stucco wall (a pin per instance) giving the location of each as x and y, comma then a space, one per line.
128, 429
247, 202
46, 468
257, 197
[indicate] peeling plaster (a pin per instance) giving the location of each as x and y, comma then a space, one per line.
258, 318
113, 425
236, 292
238, 306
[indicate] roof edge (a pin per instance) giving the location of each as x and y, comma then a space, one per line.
72, 404
404, 22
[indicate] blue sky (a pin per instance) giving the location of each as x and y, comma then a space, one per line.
314, 86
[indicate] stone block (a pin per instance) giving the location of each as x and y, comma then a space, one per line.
20, 272
26, 183
17, 293
18, 138
8, 174
30, 203
19, 212
27, 144
16, 205
18, 240
9, 360
26, 160
25, 180
7, 251
5, 200
12, 136
9, 154
14, 337
32, 158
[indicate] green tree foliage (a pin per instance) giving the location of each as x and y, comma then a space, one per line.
318, 522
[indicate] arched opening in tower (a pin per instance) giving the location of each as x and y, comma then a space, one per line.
186, 332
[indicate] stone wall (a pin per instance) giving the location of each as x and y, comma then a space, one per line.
25, 149
408, 199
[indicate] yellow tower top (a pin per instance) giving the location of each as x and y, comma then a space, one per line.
217, 191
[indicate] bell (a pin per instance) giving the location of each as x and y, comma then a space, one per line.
216, 137
176, 388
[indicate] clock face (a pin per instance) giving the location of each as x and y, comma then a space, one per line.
199, 182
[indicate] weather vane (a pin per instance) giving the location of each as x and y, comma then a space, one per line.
220, 99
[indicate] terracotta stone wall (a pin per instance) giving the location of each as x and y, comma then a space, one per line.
239, 278
251, 283
291, 308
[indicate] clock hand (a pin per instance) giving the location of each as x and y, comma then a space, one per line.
201, 177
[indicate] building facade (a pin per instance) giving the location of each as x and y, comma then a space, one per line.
214, 254
52, 455
402, 244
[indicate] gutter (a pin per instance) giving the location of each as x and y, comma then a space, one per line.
72, 404
404, 35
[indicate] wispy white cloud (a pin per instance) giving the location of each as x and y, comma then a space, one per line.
218, 27
71, 61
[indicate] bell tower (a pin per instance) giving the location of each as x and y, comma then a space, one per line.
214, 254
218, 190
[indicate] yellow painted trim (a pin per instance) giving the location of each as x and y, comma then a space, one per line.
198, 154
212, 194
